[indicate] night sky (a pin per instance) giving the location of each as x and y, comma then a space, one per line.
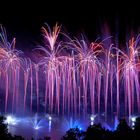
24, 20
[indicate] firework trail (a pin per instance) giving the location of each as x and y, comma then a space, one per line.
71, 76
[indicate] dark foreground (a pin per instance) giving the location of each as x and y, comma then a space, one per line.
93, 132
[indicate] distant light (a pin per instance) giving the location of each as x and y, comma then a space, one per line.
133, 119
50, 118
133, 124
80, 128
92, 118
36, 127
11, 120
50, 125
91, 123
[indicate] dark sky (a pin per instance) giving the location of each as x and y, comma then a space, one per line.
24, 20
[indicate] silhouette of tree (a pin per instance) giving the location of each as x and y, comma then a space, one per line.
47, 138
4, 134
73, 134
3, 128
94, 132
137, 129
123, 131
97, 132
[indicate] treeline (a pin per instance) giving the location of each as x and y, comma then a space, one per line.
97, 132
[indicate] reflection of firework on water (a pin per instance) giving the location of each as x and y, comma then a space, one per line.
72, 77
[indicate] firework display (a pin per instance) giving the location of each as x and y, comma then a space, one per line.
70, 76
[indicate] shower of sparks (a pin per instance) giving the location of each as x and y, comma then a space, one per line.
72, 77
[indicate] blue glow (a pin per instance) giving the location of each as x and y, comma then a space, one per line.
50, 126
50, 118
72, 123
92, 117
133, 119
36, 127
116, 123
91, 123
11, 120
